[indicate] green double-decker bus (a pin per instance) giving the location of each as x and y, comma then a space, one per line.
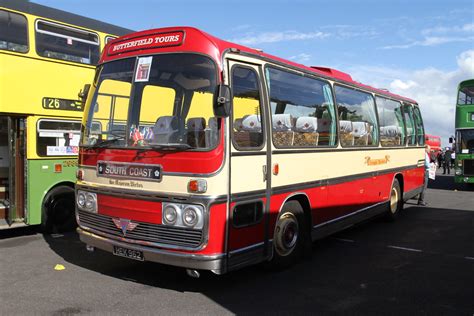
464, 165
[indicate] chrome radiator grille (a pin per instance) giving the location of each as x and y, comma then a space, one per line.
146, 232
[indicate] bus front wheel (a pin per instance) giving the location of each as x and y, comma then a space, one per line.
58, 213
289, 236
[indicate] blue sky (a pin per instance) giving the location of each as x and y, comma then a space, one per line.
420, 49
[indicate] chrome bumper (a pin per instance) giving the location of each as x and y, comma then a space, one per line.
214, 263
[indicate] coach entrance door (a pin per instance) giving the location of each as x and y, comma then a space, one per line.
249, 161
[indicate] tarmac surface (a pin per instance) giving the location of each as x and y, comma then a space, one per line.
423, 264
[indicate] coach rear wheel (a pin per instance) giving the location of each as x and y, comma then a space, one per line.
396, 202
289, 236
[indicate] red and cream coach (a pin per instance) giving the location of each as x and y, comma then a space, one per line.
208, 155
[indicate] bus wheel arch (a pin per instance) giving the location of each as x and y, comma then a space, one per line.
58, 209
292, 231
395, 203
399, 177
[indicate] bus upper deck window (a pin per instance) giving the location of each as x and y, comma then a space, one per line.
67, 43
13, 32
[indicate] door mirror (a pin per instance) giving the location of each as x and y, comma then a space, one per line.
83, 94
451, 140
222, 101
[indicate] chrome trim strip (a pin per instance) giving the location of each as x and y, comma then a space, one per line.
246, 248
155, 196
349, 215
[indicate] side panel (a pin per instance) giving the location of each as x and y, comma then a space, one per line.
41, 178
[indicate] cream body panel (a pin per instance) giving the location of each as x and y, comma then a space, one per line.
247, 173
300, 168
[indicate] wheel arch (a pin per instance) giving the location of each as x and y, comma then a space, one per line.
304, 201
399, 177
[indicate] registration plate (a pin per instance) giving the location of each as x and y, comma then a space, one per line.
128, 253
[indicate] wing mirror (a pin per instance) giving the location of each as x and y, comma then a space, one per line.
223, 101
83, 94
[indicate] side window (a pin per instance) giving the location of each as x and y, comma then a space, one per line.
392, 127
57, 138
302, 109
466, 96
420, 131
66, 43
357, 117
247, 131
410, 124
13, 32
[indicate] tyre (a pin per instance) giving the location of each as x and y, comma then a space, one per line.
58, 214
290, 236
395, 203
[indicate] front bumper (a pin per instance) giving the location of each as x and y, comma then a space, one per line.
214, 263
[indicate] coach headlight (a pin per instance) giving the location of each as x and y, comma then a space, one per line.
183, 215
457, 172
87, 201
81, 199
170, 214
190, 216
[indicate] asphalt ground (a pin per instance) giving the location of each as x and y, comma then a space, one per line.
423, 264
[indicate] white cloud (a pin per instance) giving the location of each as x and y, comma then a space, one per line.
301, 58
433, 89
440, 35
273, 37
432, 41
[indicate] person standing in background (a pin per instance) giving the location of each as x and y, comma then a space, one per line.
453, 157
421, 198
440, 158
447, 161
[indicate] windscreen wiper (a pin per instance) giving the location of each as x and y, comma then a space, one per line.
109, 141
169, 147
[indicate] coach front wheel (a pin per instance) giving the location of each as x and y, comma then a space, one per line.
289, 236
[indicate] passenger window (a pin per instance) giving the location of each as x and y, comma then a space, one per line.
58, 138
302, 109
420, 131
357, 117
13, 32
392, 127
66, 43
247, 129
410, 124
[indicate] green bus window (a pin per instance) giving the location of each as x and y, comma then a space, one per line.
57, 138
13, 32
66, 43
466, 96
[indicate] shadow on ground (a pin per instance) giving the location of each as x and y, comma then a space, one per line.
353, 272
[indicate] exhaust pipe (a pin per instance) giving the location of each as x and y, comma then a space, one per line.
193, 273
90, 248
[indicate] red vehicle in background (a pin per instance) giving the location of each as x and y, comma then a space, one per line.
435, 144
